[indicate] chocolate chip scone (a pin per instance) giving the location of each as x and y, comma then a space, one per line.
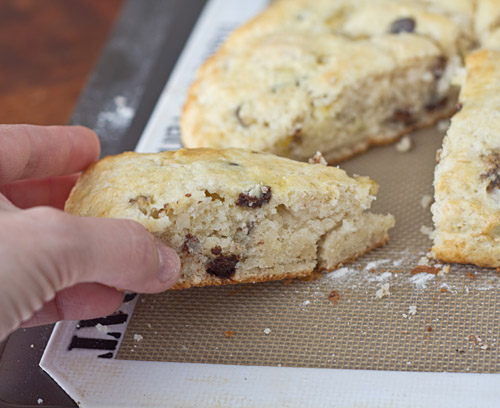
236, 215
335, 76
466, 211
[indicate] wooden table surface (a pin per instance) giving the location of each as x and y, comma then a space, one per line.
47, 50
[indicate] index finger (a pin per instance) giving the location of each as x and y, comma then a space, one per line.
28, 151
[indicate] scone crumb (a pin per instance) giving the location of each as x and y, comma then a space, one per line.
404, 145
229, 333
478, 342
445, 270
426, 201
439, 152
318, 159
39, 401
412, 310
138, 337
383, 291
424, 229
32, 345
423, 261
424, 269
267, 330
334, 297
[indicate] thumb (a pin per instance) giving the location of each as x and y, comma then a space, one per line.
45, 251
119, 253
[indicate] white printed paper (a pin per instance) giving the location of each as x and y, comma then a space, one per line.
219, 18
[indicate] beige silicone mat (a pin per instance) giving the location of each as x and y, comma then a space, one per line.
427, 323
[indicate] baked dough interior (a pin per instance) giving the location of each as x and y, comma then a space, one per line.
236, 215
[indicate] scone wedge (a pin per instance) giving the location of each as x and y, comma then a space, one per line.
236, 215
466, 211
336, 76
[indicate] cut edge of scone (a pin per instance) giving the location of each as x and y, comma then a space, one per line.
466, 212
237, 216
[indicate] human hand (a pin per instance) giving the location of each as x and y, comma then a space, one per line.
56, 266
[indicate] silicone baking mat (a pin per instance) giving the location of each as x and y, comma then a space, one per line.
428, 322
397, 327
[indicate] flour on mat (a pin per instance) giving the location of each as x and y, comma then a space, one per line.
420, 280
119, 116
375, 264
383, 291
404, 145
426, 201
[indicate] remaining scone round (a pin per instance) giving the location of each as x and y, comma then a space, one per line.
237, 215
331, 75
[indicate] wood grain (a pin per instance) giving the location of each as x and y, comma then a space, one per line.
47, 50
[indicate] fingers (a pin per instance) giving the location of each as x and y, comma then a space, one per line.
83, 301
44, 151
44, 251
52, 191
123, 254
119, 253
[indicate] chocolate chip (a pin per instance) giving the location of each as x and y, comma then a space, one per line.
403, 25
245, 200
233, 164
216, 250
403, 115
224, 266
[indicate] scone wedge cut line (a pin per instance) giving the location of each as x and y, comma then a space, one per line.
236, 215
466, 211
335, 76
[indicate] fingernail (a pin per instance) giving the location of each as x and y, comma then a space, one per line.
170, 264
